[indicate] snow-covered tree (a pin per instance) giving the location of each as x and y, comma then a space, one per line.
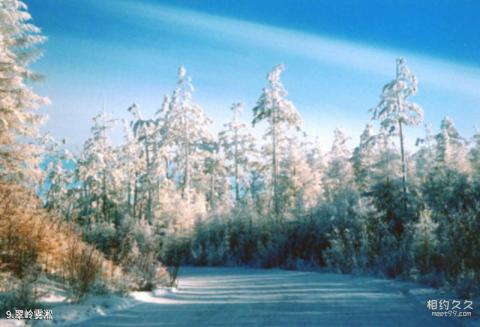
298, 188
451, 147
185, 130
150, 170
238, 146
387, 166
394, 111
131, 165
425, 155
216, 182
341, 208
19, 153
363, 159
317, 164
339, 172
59, 177
446, 190
281, 116
257, 179
96, 171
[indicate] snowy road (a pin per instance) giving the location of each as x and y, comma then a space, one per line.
250, 297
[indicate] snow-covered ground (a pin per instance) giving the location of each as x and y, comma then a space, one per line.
255, 297
55, 298
65, 314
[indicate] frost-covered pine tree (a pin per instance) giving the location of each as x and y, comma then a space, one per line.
339, 171
163, 141
131, 166
215, 182
425, 155
315, 159
238, 146
96, 171
363, 159
59, 178
19, 153
185, 129
451, 147
298, 189
281, 116
394, 111
150, 171
258, 191
341, 206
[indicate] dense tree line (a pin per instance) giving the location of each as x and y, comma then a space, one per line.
279, 202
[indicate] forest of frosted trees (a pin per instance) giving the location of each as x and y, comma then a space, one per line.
127, 216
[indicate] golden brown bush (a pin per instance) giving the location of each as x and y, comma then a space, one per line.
31, 237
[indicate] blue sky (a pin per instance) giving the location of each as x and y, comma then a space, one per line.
338, 55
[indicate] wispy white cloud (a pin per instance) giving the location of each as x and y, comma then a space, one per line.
438, 73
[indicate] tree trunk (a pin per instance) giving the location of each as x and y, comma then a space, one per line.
135, 195
186, 178
129, 193
237, 191
274, 165
186, 181
104, 197
212, 190
404, 168
149, 183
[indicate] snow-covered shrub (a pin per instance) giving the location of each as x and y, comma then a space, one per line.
210, 242
139, 255
243, 240
342, 254
144, 236
175, 251
102, 234
143, 270
83, 266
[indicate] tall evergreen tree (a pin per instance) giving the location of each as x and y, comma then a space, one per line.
59, 178
339, 171
186, 131
144, 131
19, 150
216, 182
425, 155
130, 164
299, 191
96, 172
363, 159
394, 111
238, 145
281, 115
451, 147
